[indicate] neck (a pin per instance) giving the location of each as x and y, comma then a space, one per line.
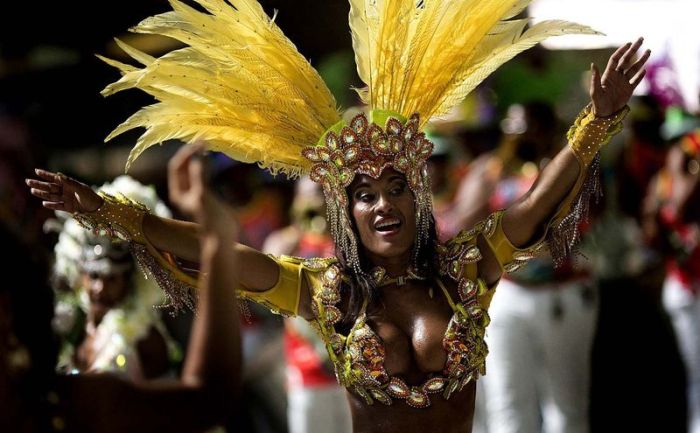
395, 266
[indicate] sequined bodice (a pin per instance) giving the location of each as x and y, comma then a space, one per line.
359, 357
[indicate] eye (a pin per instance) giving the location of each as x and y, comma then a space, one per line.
364, 196
398, 189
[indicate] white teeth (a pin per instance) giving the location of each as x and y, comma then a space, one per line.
387, 223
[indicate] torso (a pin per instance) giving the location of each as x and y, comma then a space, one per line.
86, 354
145, 358
411, 326
455, 415
411, 362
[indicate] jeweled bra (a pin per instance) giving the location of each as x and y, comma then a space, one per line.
359, 357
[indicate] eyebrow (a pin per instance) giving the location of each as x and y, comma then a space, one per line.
360, 185
365, 184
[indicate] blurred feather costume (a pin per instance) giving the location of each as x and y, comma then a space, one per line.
241, 86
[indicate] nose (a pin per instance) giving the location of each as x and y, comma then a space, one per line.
384, 204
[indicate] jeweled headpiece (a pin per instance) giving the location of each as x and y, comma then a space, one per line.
242, 86
366, 148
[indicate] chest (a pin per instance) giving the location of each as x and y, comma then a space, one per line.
411, 326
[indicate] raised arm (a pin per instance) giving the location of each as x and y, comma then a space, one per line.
528, 217
154, 241
154, 236
60, 192
553, 197
215, 341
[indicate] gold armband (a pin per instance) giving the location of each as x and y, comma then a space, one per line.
589, 133
117, 217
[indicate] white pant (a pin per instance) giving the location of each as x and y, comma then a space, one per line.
538, 368
684, 309
319, 409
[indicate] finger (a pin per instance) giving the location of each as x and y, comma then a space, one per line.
54, 205
629, 55
48, 175
45, 195
180, 161
182, 155
178, 172
596, 87
616, 56
638, 64
638, 78
45, 186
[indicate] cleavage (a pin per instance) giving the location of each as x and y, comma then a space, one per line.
412, 326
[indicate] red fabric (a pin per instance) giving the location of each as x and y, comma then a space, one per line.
302, 357
687, 272
315, 245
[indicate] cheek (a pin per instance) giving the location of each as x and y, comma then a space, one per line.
407, 206
361, 214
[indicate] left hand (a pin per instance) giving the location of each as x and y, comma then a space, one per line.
188, 191
611, 92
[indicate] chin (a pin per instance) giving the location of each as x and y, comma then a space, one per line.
390, 250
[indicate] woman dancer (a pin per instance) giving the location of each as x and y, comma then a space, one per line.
403, 317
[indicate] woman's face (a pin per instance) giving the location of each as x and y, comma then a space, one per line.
384, 214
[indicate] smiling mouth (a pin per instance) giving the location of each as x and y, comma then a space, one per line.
388, 225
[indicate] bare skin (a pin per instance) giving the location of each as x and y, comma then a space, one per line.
410, 323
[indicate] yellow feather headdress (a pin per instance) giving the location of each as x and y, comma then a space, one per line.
425, 56
241, 85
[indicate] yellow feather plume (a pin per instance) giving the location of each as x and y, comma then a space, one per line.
425, 56
239, 84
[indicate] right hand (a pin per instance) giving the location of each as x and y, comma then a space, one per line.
60, 192
611, 91
188, 191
